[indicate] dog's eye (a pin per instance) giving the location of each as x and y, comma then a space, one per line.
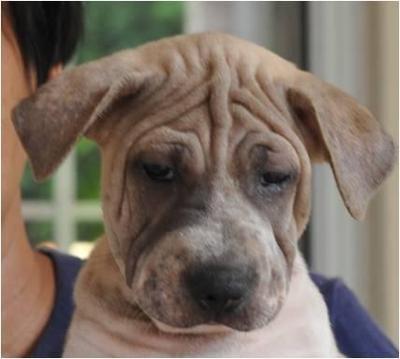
159, 173
274, 179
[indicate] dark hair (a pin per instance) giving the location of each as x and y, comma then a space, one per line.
47, 32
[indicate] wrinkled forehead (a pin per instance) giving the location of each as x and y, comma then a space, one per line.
219, 88
222, 64
209, 53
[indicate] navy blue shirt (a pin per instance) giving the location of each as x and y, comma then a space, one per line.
355, 332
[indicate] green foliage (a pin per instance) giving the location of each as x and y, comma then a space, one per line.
89, 231
88, 170
39, 231
112, 26
34, 190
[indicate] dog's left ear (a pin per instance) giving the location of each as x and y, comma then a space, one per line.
344, 133
49, 122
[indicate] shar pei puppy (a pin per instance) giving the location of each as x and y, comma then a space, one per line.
206, 143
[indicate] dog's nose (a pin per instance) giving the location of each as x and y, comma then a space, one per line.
219, 289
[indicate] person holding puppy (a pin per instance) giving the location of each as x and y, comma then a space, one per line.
37, 40
37, 285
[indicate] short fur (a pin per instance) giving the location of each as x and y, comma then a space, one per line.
223, 112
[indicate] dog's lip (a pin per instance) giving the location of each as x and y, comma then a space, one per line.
221, 324
206, 328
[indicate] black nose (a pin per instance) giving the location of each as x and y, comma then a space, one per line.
220, 289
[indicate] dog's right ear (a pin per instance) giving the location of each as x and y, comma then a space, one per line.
49, 122
344, 133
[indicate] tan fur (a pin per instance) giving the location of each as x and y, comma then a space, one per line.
223, 111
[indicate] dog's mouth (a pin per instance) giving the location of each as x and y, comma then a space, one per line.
215, 303
222, 324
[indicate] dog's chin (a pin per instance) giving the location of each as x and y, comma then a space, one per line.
202, 329
225, 324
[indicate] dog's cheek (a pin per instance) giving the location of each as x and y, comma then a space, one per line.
132, 217
283, 224
270, 296
286, 242
159, 286
274, 268
112, 187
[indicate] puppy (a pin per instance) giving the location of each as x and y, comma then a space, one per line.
207, 143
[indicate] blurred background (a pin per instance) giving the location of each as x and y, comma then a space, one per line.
353, 45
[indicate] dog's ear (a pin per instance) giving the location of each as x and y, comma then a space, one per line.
339, 130
49, 122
